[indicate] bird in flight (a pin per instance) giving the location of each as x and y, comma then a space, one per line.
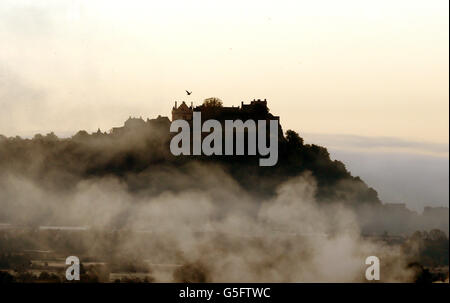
188, 92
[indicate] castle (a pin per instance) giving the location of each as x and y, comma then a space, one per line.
133, 124
256, 108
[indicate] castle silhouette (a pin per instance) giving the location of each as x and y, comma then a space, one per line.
257, 109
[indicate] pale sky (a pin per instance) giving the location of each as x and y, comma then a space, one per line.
364, 68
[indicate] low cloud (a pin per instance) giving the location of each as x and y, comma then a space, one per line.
215, 228
380, 144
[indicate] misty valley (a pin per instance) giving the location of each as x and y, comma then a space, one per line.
132, 211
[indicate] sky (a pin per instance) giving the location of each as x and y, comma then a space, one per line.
334, 70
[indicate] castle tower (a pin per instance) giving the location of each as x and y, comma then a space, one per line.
182, 112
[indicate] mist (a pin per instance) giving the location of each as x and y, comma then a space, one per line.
216, 228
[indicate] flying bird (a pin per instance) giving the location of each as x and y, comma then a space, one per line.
188, 92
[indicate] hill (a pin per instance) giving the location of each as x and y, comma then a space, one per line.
135, 151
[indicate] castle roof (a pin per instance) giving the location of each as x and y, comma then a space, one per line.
183, 107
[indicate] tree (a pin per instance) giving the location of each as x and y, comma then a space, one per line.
51, 137
212, 102
294, 140
44, 276
82, 134
191, 273
6, 277
437, 235
38, 137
